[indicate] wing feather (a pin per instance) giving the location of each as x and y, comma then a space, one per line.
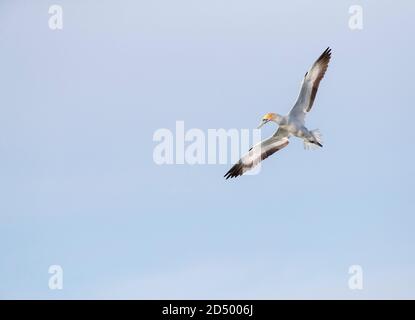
256, 154
310, 85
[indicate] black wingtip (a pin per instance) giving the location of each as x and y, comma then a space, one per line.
235, 171
327, 52
325, 56
227, 175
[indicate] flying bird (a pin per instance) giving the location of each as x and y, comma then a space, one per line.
292, 124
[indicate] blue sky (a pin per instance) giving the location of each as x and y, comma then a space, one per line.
78, 109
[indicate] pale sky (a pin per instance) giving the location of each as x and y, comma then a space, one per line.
78, 109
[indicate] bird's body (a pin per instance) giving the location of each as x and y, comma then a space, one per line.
293, 127
292, 124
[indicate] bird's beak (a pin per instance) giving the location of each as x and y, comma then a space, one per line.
262, 123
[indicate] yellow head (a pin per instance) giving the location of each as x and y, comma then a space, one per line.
267, 118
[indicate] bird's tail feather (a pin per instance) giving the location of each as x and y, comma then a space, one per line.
310, 144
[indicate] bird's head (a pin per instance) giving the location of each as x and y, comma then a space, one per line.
267, 118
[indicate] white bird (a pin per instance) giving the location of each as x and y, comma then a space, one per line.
293, 124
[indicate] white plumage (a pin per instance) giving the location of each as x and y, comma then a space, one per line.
292, 124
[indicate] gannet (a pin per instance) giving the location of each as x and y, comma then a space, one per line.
292, 124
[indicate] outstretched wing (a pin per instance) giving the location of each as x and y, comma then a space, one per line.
309, 86
259, 152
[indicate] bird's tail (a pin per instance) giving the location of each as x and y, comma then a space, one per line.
316, 140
